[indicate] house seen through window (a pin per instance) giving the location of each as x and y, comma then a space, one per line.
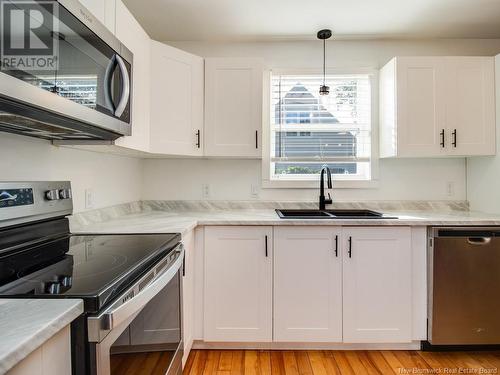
309, 131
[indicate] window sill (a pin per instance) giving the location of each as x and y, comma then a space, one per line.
337, 184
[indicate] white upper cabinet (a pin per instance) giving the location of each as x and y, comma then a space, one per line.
103, 10
307, 284
177, 86
437, 106
377, 285
471, 119
238, 284
233, 107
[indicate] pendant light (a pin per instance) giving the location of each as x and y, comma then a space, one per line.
324, 35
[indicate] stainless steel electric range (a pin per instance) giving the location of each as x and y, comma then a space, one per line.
120, 277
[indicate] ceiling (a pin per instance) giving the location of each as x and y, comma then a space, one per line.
263, 20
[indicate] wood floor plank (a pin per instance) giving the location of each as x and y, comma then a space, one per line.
342, 363
226, 360
189, 364
355, 363
303, 364
290, 363
212, 363
437, 360
265, 362
392, 361
410, 359
330, 363
368, 363
251, 363
317, 362
238, 362
277, 363
199, 362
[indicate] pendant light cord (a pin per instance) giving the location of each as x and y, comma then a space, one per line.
324, 62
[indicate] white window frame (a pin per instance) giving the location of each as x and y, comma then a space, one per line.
267, 183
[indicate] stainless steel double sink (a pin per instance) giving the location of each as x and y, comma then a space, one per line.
330, 214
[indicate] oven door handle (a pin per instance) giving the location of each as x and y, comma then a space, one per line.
114, 316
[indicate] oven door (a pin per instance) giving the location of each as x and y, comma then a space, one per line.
143, 327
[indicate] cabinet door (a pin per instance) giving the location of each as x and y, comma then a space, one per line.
103, 10
377, 285
238, 284
130, 32
307, 284
176, 101
52, 358
471, 108
188, 295
421, 101
233, 107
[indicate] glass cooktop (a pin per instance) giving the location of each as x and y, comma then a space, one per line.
93, 267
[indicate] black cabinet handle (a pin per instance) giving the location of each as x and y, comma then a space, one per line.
454, 143
256, 139
336, 246
442, 138
267, 253
184, 265
198, 142
350, 247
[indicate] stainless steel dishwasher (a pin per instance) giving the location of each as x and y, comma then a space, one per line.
464, 286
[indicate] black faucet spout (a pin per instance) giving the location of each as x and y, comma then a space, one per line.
322, 199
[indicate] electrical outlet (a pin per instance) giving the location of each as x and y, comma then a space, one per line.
205, 188
89, 198
254, 189
450, 188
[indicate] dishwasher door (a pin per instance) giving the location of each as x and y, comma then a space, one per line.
464, 286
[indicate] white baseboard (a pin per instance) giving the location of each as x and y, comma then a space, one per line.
198, 344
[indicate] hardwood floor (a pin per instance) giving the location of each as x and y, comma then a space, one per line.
253, 362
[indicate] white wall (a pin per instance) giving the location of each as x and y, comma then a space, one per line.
420, 179
483, 174
180, 179
113, 179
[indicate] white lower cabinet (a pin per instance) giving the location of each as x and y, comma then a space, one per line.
377, 284
238, 284
330, 284
307, 284
52, 358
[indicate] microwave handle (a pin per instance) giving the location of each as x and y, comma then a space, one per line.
108, 76
125, 86
114, 316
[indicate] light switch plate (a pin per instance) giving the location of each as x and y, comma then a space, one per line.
89, 198
205, 188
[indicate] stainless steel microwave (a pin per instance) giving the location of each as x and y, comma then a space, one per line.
63, 74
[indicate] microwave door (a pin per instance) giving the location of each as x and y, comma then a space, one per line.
44, 75
85, 63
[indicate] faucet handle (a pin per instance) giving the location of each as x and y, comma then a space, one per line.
329, 200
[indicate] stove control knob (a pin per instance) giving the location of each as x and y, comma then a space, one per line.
53, 288
52, 195
66, 281
65, 194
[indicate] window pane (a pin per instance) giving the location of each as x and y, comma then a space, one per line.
309, 130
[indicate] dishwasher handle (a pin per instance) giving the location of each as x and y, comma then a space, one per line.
478, 241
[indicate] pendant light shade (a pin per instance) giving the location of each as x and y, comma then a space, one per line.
324, 35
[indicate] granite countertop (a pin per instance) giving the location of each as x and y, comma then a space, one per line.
25, 324
182, 221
